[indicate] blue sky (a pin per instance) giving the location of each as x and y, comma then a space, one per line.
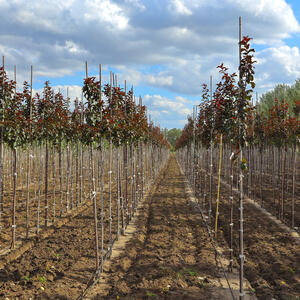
166, 49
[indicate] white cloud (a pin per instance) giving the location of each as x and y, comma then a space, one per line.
277, 65
135, 77
73, 91
186, 39
179, 7
159, 80
74, 48
106, 11
162, 104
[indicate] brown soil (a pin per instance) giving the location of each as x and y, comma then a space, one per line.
59, 266
272, 255
271, 198
170, 256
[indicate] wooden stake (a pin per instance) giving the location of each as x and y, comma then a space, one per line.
242, 259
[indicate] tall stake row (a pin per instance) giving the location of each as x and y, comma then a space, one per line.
54, 159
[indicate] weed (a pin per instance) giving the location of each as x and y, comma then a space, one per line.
192, 273
149, 294
187, 271
42, 279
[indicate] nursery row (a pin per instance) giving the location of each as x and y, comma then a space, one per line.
255, 153
56, 158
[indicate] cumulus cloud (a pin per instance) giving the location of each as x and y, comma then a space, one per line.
135, 77
167, 111
277, 65
186, 38
71, 91
179, 7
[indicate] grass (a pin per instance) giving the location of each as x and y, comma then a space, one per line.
149, 294
42, 279
187, 272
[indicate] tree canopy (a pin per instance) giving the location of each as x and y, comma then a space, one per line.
172, 135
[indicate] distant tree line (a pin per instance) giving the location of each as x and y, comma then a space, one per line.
171, 136
288, 94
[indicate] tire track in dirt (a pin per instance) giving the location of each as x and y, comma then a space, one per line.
170, 256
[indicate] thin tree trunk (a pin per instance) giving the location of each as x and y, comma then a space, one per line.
77, 174
261, 177
53, 184
95, 206
39, 193
68, 178
293, 184
231, 219
101, 162
46, 183
13, 215
28, 192
60, 179
110, 195
282, 183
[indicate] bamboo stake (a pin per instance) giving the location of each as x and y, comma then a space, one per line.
211, 162
13, 221
293, 183
231, 218
101, 179
241, 296
219, 181
68, 178
94, 193
39, 192
46, 183
53, 183
28, 181
60, 178
110, 170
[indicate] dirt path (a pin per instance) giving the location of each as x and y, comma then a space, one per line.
170, 256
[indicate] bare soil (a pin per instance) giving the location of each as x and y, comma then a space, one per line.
272, 256
169, 256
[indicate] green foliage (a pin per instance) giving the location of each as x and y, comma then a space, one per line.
172, 135
42, 279
284, 93
187, 272
149, 294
